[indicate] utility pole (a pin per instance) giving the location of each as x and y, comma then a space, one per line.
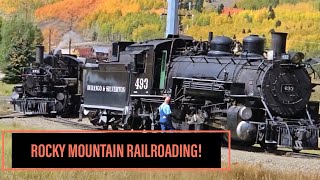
50, 33
71, 24
70, 45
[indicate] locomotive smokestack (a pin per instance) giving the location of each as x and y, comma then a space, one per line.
172, 18
39, 54
279, 41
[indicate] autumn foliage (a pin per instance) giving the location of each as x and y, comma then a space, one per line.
84, 8
139, 20
66, 10
231, 11
12, 6
105, 17
301, 21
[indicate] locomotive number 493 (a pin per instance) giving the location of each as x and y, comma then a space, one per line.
142, 83
288, 88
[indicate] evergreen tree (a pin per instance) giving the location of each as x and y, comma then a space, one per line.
18, 46
20, 56
278, 23
275, 3
199, 5
94, 36
185, 5
271, 13
220, 8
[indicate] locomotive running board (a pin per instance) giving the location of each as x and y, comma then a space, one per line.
244, 96
149, 96
204, 80
102, 107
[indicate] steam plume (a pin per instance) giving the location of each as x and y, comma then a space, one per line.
66, 38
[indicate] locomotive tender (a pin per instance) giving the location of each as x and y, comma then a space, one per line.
259, 99
51, 86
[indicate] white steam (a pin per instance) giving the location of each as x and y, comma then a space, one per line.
71, 35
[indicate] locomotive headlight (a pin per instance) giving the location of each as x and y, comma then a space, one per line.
245, 113
60, 96
15, 96
297, 57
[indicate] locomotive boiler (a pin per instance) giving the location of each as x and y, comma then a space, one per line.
260, 100
51, 86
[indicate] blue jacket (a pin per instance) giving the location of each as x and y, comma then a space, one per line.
164, 111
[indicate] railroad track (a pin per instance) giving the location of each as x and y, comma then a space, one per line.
81, 126
70, 122
276, 152
64, 121
13, 115
303, 155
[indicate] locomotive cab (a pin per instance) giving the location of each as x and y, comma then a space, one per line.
152, 64
139, 69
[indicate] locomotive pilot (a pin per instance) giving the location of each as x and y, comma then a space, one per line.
165, 115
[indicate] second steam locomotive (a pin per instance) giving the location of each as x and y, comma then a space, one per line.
51, 86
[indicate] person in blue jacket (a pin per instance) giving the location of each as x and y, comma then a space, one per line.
165, 115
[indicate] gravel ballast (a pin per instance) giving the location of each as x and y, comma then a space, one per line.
265, 160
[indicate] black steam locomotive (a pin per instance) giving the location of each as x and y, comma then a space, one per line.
262, 97
51, 86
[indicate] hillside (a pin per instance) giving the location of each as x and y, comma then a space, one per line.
301, 21
111, 20
12, 6
258, 4
102, 20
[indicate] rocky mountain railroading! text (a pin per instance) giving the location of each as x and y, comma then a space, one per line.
116, 150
